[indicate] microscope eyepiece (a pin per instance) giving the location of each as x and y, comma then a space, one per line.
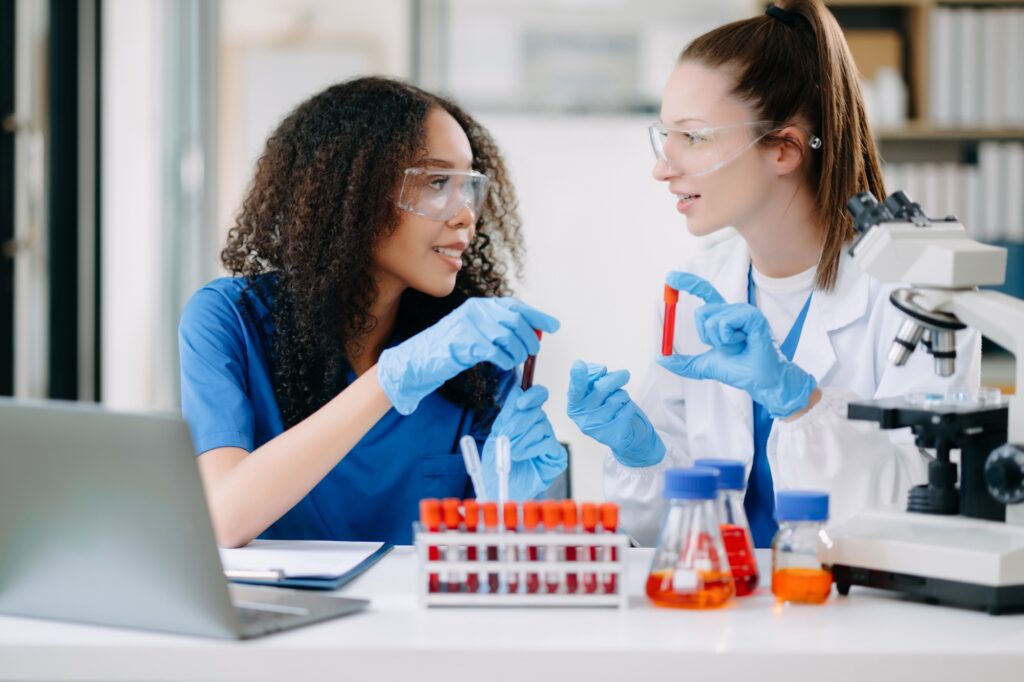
903, 207
867, 212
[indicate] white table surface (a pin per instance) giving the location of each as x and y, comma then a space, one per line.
869, 636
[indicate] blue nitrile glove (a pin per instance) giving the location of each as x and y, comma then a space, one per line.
537, 456
605, 412
743, 353
495, 330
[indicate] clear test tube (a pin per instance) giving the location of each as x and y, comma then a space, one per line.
471, 509
511, 519
551, 515
452, 522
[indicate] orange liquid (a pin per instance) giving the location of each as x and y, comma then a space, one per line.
803, 585
717, 589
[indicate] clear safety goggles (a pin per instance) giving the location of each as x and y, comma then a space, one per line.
441, 194
699, 151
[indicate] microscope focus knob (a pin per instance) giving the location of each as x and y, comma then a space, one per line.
1004, 474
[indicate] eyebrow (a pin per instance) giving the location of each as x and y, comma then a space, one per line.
685, 119
438, 163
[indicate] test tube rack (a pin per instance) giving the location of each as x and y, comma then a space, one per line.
452, 567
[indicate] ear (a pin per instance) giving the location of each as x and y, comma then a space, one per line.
788, 154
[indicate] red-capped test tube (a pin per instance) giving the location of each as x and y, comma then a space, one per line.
589, 514
471, 509
668, 329
531, 519
530, 365
551, 514
491, 526
452, 522
610, 522
430, 518
511, 518
570, 524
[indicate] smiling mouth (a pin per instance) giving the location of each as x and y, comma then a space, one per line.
450, 253
687, 197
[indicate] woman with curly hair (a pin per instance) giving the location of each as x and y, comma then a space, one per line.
366, 327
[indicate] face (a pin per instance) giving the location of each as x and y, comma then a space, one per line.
698, 97
426, 254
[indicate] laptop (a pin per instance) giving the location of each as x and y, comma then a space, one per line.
103, 520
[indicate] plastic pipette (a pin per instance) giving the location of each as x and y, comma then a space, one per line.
503, 463
471, 456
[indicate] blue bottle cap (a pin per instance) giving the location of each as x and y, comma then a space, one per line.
691, 484
801, 505
731, 472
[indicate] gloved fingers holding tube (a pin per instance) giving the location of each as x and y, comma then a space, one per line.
743, 352
603, 410
537, 456
502, 331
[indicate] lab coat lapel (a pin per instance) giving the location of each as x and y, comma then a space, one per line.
830, 311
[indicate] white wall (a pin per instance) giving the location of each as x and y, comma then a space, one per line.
601, 233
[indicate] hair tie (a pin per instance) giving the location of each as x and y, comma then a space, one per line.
783, 15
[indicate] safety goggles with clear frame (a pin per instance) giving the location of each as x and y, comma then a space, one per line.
441, 193
699, 151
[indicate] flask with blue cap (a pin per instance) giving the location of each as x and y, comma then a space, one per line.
739, 544
800, 568
691, 567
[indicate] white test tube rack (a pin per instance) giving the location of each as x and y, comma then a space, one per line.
446, 566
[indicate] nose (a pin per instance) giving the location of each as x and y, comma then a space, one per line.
663, 171
465, 219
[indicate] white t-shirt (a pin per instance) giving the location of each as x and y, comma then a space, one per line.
781, 299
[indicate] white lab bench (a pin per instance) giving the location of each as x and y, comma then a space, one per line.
868, 636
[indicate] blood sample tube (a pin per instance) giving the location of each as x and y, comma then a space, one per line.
471, 509
551, 514
610, 523
668, 329
530, 365
589, 514
570, 524
452, 522
511, 518
491, 526
430, 518
531, 519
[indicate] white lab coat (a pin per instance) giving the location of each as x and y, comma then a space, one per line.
844, 344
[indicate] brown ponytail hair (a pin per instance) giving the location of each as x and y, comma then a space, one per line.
796, 66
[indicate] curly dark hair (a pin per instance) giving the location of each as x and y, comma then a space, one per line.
323, 197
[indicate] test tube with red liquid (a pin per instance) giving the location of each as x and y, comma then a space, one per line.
530, 365
551, 515
610, 523
452, 522
570, 524
471, 509
668, 329
589, 514
430, 518
491, 526
531, 519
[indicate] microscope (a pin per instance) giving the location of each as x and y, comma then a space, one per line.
960, 540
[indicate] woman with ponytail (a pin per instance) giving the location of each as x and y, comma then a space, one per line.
763, 129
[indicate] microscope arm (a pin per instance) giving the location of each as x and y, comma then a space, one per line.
1001, 318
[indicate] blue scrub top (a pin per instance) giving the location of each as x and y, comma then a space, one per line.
227, 398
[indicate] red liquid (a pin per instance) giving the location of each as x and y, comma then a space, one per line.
473, 579
609, 581
590, 579
434, 554
571, 579
715, 591
532, 579
668, 330
742, 562
492, 578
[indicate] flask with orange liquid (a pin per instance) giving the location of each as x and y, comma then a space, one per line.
800, 570
690, 568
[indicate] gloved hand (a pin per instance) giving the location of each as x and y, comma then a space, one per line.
743, 353
537, 456
605, 412
495, 330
